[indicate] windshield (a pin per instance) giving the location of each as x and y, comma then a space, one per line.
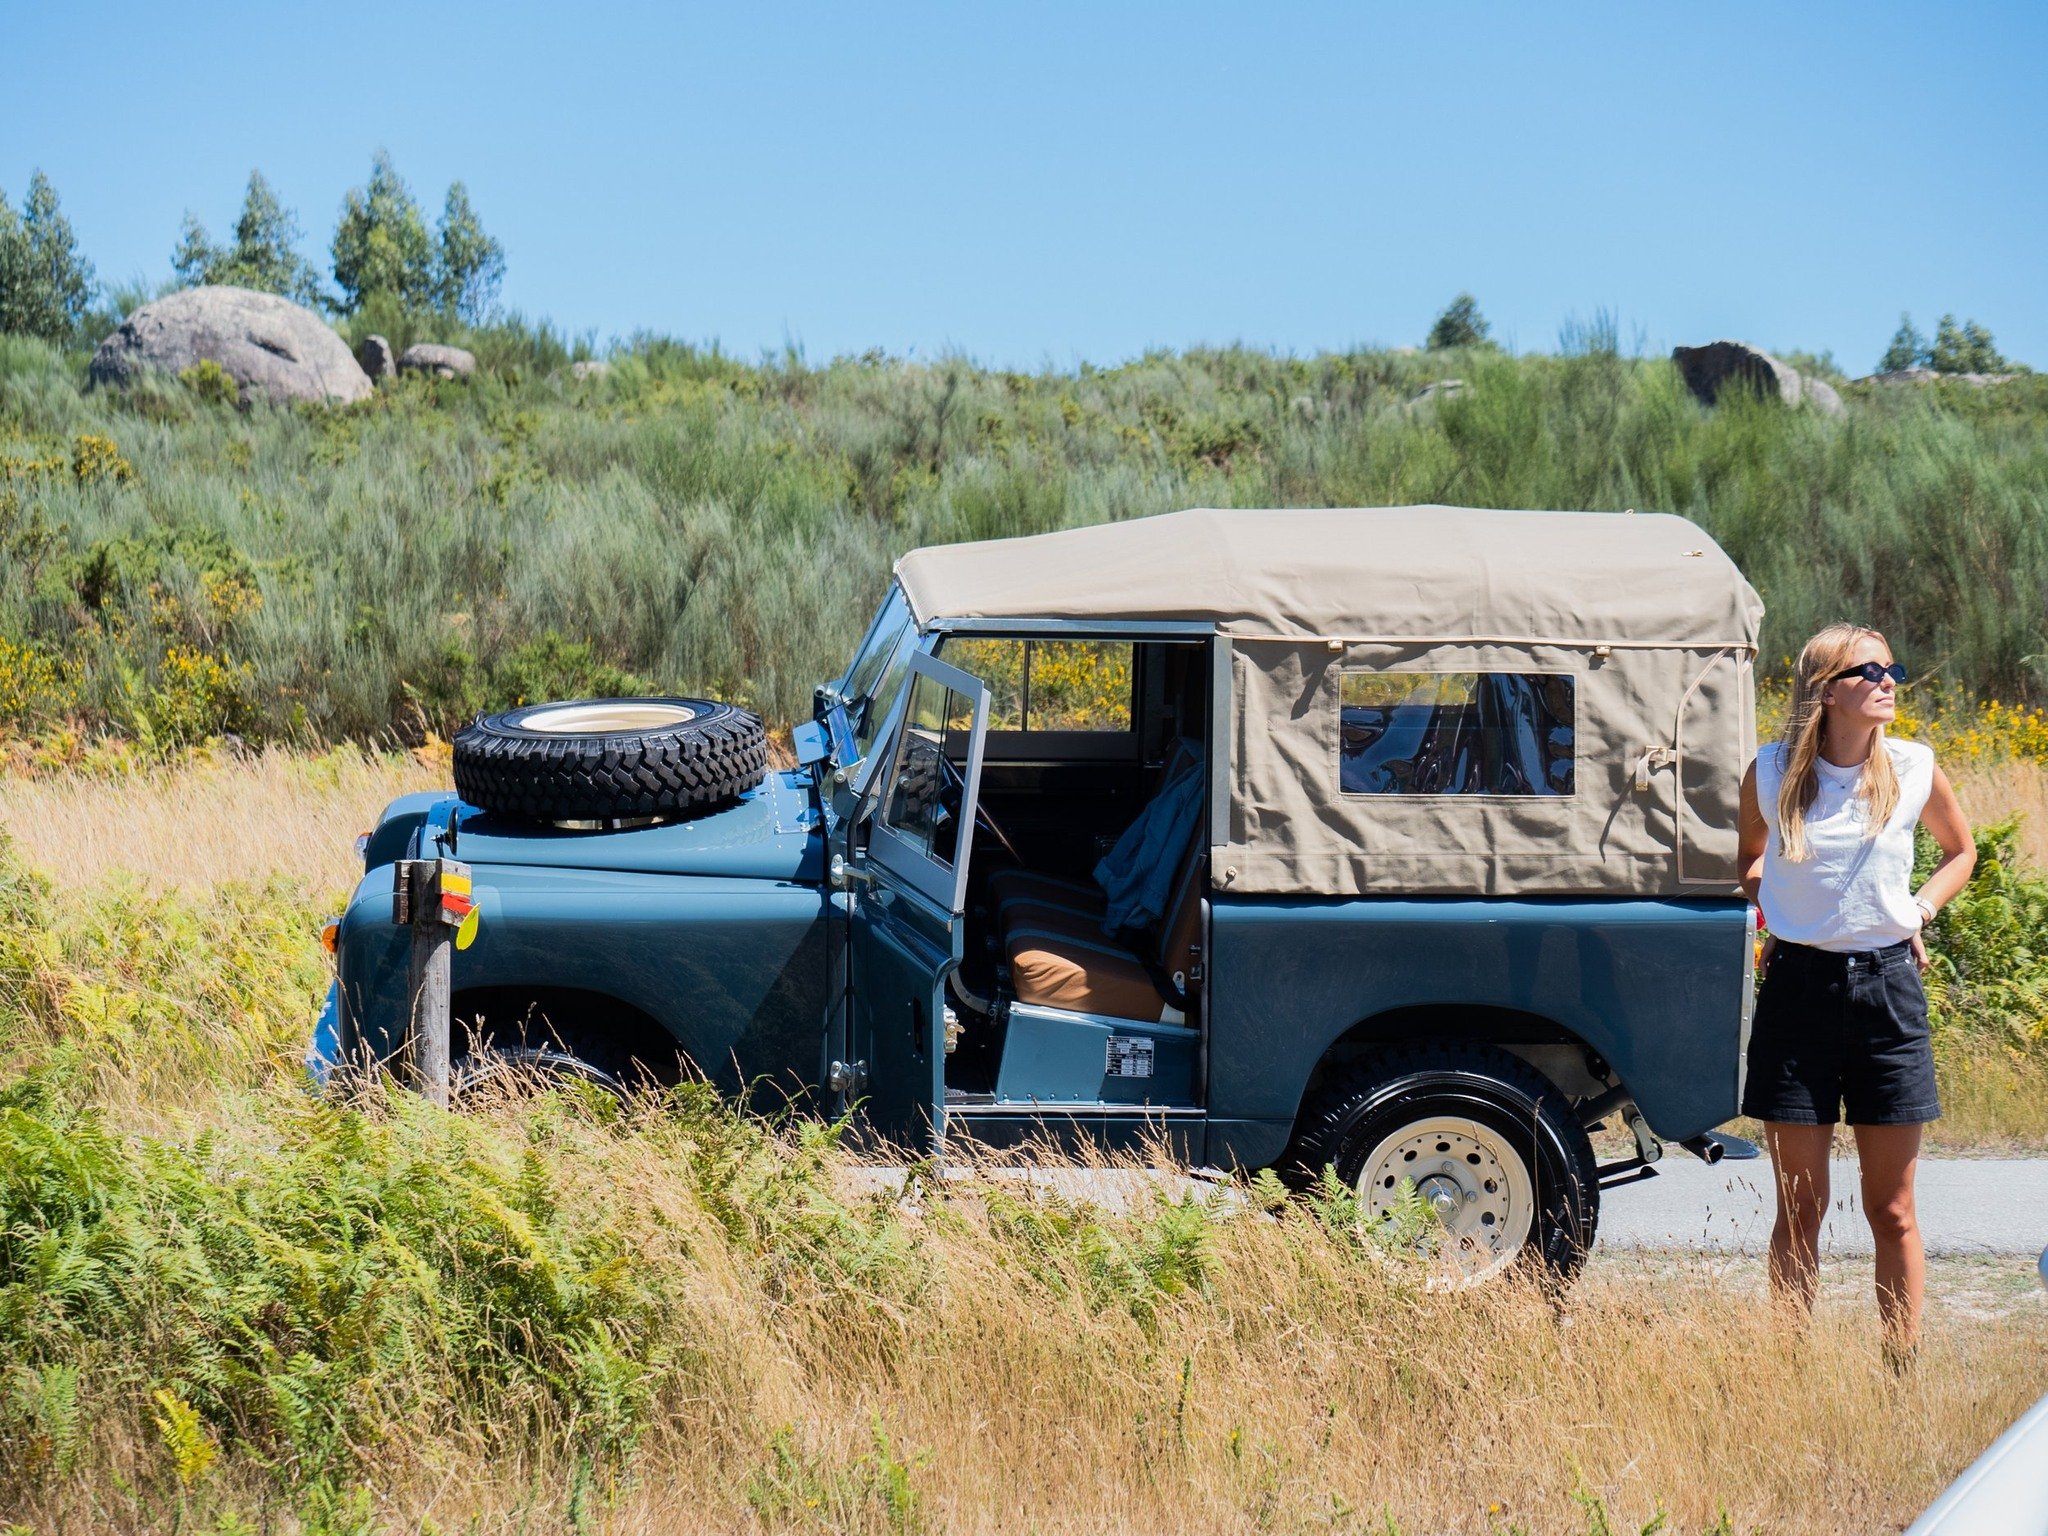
876, 676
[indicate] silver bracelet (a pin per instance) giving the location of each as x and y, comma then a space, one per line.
1926, 910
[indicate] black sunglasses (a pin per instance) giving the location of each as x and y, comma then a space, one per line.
1873, 672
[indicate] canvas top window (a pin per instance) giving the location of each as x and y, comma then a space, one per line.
1457, 733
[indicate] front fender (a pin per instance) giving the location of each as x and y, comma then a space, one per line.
733, 968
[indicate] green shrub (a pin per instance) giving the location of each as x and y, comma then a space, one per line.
693, 523
1988, 984
211, 383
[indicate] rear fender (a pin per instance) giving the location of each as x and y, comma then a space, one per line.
1656, 988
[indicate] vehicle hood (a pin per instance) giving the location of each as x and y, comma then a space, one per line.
770, 833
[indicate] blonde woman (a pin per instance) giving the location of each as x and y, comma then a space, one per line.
1841, 1023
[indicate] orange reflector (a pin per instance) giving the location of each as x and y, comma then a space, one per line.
330, 935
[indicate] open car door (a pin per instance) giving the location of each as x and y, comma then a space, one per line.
909, 891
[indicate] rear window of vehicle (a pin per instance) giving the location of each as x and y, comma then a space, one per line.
1456, 733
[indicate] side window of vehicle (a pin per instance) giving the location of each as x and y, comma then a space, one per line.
924, 794
1456, 733
1050, 685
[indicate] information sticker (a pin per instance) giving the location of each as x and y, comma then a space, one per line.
1129, 1056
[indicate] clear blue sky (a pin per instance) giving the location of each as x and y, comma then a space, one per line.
1048, 182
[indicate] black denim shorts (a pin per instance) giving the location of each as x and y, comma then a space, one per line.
1841, 1036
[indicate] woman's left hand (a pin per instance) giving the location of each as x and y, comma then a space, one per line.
1919, 943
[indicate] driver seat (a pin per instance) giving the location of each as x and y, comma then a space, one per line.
1060, 958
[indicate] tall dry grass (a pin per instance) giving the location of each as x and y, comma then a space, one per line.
197, 825
782, 1347
1994, 790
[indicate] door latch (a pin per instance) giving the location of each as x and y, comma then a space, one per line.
844, 874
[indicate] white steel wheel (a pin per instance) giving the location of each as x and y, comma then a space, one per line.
606, 716
1472, 1179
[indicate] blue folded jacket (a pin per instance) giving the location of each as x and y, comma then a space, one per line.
1137, 874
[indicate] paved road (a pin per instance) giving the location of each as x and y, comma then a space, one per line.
1967, 1205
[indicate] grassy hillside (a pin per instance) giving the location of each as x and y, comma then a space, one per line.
175, 568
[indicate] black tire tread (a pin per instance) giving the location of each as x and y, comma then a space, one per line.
1326, 1121
688, 768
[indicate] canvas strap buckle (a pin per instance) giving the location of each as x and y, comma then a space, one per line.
1653, 758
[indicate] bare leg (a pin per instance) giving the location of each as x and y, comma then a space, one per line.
1889, 1155
1799, 1158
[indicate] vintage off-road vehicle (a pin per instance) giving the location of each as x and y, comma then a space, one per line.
1400, 841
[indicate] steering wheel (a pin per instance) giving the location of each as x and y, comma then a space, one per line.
982, 818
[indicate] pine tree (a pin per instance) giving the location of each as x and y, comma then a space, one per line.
196, 259
381, 246
471, 264
45, 283
1908, 349
265, 253
1965, 348
1460, 325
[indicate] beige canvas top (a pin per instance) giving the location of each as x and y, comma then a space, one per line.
1640, 625
1422, 572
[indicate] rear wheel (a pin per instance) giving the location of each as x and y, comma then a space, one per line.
1471, 1135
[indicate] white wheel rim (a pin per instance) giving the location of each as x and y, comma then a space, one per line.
1472, 1177
599, 719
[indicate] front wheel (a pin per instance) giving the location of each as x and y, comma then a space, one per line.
513, 1072
1470, 1135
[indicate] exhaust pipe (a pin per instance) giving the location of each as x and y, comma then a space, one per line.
1705, 1146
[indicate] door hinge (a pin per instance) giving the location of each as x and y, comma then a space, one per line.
844, 874
847, 1077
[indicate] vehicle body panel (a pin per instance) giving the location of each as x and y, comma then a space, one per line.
733, 967
901, 953
1653, 985
1056, 1057
769, 834
906, 931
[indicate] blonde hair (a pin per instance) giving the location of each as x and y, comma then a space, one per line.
1819, 660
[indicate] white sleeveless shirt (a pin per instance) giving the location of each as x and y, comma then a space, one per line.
1850, 892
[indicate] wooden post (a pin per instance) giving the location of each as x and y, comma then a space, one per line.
432, 897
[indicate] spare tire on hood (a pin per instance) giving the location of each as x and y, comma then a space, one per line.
607, 759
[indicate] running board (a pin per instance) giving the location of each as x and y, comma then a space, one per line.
1090, 1109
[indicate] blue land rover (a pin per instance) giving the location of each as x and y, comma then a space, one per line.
1399, 842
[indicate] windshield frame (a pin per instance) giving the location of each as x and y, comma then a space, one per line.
854, 721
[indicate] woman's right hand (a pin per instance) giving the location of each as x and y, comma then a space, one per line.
1763, 959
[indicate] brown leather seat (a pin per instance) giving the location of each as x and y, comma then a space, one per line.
1060, 958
